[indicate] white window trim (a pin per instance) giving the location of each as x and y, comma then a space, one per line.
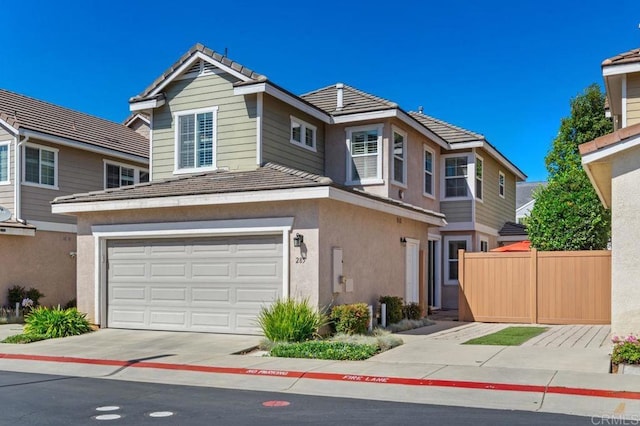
303, 132
392, 156
55, 166
471, 175
371, 181
475, 193
214, 141
424, 171
8, 145
136, 171
502, 183
448, 238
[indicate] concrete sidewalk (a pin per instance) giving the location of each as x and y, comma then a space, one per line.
428, 368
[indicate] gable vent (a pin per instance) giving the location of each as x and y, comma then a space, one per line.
195, 68
208, 68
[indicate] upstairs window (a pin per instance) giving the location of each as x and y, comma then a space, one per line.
428, 171
479, 173
4, 162
364, 145
303, 134
501, 184
40, 166
399, 171
195, 139
117, 175
455, 175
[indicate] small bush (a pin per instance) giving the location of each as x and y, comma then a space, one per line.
406, 324
381, 338
288, 320
351, 319
34, 294
56, 322
625, 351
16, 294
24, 338
318, 349
412, 311
394, 308
71, 304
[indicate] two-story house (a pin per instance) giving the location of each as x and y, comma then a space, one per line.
257, 193
48, 151
612, 163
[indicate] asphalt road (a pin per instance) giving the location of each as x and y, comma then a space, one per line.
35, 399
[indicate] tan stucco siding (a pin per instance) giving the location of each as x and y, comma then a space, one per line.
494, 210
7, 190
457, 211
78, 171
43, 262
373, 255
276, 138
633, 99
235, 124
625, 234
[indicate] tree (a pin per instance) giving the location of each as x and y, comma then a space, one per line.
567, 214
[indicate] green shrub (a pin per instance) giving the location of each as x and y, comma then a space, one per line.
71, 304
625, 351
322, 349
412, 311
381, 338
351, 319
56, 322
16, 294
24, 338
394, 308
288, 320
33, 294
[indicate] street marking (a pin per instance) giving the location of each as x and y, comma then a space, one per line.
560, 390
108, 417
161, 414
108, 408
276, 403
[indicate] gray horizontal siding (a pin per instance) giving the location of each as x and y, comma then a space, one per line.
7, 191
78, 171
276, 138
494, 210
456, 211
236, 122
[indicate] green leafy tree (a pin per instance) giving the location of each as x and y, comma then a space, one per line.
567, 214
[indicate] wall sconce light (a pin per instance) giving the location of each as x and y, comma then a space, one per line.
298, 240
403, 240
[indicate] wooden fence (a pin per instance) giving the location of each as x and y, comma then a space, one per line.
570, 287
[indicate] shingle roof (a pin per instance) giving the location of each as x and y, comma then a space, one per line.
447, 131
269, 177
524, 192
512, 228
623, 58
23, 112
354, 100
184, 58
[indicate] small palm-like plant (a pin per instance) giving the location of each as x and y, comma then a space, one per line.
56, 322
288, 320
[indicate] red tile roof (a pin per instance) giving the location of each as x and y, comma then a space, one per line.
610, 139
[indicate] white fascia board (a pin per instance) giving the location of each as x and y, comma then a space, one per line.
620, 69
194, 200
137, 117
54, 226
282, 96
422, 129
365, 202
22, 232
362, 116
491, 150
83, 146
610, 150
143, 105
9, 127
525, 206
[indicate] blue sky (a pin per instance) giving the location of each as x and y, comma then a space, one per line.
506, 69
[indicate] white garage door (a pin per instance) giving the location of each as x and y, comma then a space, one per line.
200, 284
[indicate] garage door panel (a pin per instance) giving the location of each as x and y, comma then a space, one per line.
195, 284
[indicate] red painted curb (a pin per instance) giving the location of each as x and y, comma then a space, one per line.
602, 393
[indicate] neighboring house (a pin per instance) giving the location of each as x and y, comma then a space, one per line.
512, 232
525, 200
613, 165
48, 151
256, 193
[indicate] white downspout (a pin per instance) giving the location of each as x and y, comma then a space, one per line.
17, 178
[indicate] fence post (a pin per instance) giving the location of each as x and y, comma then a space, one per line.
533, 286
463, 308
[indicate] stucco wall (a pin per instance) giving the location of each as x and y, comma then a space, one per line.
43, 262
625, 234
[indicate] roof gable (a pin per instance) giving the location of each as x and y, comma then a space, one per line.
24, 113
197, 53
447, 131
354, 100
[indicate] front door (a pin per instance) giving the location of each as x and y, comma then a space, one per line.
412, 256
